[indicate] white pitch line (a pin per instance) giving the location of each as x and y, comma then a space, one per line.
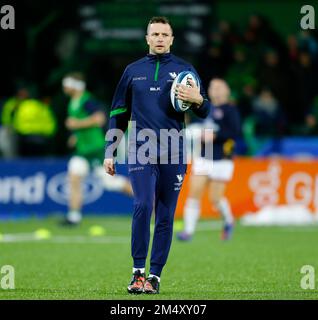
16, 237
87, 239
209, 225
202, 226
30, 237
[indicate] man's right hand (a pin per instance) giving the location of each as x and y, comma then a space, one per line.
109, 166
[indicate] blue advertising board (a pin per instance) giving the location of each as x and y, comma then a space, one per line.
40, 186
290, 147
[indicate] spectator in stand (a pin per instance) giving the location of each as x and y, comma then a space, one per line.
268, 116
305, 75
308, 43
310, 125
273, 75
292, 48
8, 135
217, 60
35, 126
241, 77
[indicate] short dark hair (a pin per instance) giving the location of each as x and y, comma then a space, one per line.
160, 19
78, 75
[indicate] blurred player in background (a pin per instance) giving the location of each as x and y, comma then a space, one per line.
215, 173
86, 120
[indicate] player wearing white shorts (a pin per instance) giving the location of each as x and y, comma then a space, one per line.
214, 173
86, 120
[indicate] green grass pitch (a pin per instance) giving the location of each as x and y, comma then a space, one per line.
258, 263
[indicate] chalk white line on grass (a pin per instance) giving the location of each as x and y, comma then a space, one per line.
209, 225
202, 226
30, 237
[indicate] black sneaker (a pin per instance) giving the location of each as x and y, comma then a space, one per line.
68, 223
151, 285
137, 283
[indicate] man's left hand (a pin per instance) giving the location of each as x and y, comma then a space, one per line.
189, 94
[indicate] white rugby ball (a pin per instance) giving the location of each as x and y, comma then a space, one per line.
182, 78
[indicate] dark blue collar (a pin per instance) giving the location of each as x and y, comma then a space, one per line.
161, 57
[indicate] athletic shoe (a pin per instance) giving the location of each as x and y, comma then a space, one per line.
227, 232
184, 236
137, 283
151, 285
68, 223
73, 218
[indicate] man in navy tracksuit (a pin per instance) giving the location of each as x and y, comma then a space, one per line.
143, 96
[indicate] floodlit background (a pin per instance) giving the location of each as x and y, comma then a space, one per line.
271, 66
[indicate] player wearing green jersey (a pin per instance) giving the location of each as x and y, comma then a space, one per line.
86, 120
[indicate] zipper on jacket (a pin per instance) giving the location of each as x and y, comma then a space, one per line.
157, 70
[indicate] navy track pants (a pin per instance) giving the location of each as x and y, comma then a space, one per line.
158, 186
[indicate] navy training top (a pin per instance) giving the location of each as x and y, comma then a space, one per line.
143, 95
226, 123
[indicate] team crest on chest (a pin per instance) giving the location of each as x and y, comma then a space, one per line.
218, 114
173, 75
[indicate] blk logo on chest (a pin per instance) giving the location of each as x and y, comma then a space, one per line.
154, 88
